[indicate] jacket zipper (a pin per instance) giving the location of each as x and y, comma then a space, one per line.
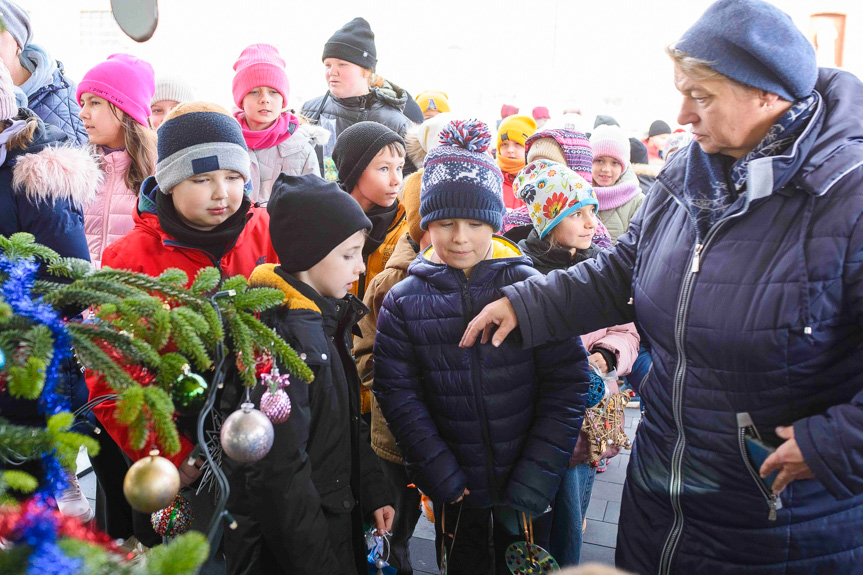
676, 477
475, 378
768, 495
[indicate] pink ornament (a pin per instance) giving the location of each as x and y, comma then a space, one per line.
276, 406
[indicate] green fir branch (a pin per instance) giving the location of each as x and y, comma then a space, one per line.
258, 299
188, 341
19, 481
269, 339
161, 409
94, 358
174, 276
27, 381
237, 283
182, 556
206, 280
173, 365
130, 402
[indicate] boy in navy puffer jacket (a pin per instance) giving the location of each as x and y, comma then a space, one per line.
483, 430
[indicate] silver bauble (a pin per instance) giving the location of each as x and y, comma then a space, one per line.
247, 434
151, 483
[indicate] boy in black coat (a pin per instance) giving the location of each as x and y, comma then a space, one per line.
301, 508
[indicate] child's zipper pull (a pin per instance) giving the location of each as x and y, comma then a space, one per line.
771, 516
696, 259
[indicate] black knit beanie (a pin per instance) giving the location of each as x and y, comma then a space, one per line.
309, 217
356, 148
354, 42
637, 152
603, 120
658, 128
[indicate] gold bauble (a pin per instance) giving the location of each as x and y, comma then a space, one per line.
151, 483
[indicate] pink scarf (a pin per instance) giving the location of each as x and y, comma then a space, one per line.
280, 131
618, 194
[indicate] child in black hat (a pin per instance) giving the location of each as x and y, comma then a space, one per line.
301, 508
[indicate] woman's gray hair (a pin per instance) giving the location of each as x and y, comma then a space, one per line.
699, 69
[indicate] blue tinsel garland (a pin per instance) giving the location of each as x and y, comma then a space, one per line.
40, 528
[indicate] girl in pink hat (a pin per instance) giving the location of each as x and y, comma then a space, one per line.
278, 141
115, 105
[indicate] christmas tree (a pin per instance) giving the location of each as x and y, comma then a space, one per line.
143, 336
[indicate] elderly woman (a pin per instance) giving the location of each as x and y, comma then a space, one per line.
744, 269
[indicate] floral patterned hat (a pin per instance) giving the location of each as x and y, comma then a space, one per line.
551, 191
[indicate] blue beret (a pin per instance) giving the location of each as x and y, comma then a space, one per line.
756, 44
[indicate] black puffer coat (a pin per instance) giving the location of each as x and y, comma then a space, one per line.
383, 105
301, 508
500, 422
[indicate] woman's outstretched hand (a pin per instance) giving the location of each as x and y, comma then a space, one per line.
498, 317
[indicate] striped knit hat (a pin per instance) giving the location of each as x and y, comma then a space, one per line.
563, 146
460, 179
199, 137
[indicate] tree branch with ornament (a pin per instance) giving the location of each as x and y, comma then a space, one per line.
145, 337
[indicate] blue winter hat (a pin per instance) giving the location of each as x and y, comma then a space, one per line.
460, 179
756, 44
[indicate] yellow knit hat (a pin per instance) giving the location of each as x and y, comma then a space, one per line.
411, 203
432, 100
515, 128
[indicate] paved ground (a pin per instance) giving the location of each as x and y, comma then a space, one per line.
602, 514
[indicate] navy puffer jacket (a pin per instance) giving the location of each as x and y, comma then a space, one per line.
55, 104
500, 422
763, 315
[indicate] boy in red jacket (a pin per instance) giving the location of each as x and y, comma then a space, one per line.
194, 213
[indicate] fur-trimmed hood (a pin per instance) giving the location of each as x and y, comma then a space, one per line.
416, 153
62, 172
318, 136
651, 170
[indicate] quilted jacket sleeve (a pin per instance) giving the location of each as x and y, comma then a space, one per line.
374, 299
832, 442
55, 104
598, 289
562, 380
398, 387
622, 341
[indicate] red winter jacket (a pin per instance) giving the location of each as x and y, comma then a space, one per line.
150, 250
509, 199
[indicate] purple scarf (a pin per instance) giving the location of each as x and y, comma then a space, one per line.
616, 195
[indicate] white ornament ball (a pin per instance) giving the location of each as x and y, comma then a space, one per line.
247, 434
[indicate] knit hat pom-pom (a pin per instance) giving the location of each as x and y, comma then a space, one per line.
471, 135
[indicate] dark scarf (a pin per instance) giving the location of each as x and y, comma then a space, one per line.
546, 257
216, 241
381, 219
713, 182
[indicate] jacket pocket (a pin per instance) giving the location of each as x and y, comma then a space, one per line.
338, 502
746, 428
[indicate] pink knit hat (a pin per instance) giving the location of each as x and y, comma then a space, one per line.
610, 141
259, 65
124, 80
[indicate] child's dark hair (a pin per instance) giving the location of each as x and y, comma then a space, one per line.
396, 149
